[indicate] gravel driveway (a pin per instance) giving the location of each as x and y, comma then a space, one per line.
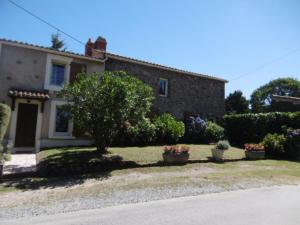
276, 206
48, 203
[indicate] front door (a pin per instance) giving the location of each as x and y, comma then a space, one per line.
26, 125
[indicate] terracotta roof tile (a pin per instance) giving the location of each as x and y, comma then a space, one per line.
28, 94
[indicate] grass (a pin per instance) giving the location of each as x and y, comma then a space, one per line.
139, 155
228, 175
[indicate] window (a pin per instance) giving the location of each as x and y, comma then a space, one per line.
163, 87
60, 126
58, 74
61, 120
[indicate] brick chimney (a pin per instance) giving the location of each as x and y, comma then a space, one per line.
96, 49
100, 44
88, 47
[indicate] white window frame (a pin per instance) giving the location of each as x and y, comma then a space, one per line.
52, 133
59, 60
167, 84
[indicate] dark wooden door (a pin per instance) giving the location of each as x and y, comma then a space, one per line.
26, 125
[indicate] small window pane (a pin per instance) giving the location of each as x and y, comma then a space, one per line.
62, 120
58, 74
163, 87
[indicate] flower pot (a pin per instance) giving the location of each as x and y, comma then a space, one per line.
176, 158
217, 154
255, 155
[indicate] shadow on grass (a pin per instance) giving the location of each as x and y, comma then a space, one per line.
69, 168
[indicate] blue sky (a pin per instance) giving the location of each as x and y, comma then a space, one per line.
227, 39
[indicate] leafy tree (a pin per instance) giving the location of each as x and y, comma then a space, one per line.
101, 104
236, 103
261, 98
57, 44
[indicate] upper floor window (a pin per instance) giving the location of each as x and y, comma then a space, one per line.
163, 87
57, 72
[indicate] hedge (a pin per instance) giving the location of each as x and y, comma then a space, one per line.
243, 128
4, 119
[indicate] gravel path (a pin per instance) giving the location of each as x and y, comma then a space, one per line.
49, 206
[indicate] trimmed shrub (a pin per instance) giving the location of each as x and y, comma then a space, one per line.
274, 144
168, 129
4, 119
143, 133
213, 132
245, 128
293, 143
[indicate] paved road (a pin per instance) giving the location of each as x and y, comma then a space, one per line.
277, 205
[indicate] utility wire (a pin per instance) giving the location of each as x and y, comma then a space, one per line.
82, 43
268, 63
45, 22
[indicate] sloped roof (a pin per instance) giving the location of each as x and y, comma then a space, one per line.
48, 49
32, 94
281, 98
128, 59
108, 55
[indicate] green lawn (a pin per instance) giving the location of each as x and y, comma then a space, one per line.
233, 174
139, 155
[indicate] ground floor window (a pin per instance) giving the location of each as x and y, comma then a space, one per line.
61, 126
61, 120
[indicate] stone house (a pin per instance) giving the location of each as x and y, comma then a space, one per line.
31, 76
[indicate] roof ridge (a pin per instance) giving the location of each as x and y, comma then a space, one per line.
120, 57
167, 67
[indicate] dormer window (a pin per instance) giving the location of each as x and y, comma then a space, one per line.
57, 72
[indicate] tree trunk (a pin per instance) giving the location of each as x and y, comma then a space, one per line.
101, 146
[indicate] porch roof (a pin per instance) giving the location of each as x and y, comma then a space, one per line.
28, 94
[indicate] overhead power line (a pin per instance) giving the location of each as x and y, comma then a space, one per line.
268, 63
82, 43
46, 22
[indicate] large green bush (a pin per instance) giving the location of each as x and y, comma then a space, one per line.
101, 104
168, 129
274, 144
213, 132
143, 133
252, 128
4, 119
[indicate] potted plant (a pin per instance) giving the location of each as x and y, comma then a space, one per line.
218, 150
176, 154
254, 151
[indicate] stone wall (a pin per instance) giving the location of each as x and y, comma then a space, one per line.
187, 94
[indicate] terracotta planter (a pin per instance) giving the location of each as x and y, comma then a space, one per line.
176, 158
217, 154
255, 155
